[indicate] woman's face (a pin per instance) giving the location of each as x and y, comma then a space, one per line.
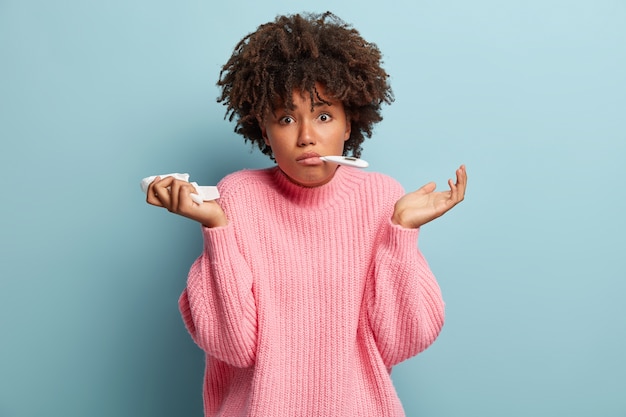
298, 137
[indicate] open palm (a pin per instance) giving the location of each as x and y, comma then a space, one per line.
421, 206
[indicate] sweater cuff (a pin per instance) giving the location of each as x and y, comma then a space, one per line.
400, 238
219, 241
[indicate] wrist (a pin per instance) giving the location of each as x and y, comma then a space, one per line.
398, 221
221, 222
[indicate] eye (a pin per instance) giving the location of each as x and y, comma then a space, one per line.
325, 117
285, 120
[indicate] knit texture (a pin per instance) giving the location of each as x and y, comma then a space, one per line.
309, 297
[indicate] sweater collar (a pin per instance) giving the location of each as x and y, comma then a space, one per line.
341, 185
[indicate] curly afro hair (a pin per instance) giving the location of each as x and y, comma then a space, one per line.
293, 53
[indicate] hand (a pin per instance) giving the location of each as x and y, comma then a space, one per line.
175, 196
419, 207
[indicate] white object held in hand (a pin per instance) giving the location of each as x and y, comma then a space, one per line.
203, 192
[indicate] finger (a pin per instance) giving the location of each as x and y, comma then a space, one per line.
162, 191
461, 175
461, 180
181, 198
454, 191
174, 191
185, 200
151, 197
458, 188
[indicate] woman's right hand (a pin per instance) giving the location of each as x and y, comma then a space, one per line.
175, 196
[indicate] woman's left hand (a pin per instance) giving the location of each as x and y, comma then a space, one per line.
419, 207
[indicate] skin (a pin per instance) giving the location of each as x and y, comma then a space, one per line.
425, 204
298, 137
175, 196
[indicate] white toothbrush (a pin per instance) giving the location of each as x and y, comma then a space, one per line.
346, 160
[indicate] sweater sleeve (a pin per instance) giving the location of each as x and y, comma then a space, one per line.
218, 305
406, 310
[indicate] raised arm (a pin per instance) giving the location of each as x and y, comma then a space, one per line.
218, 305
406, 309
405, 306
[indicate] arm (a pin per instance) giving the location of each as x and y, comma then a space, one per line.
405, 306
218, 305
406, 310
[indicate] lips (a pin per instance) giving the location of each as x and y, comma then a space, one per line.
307, 155
309, 159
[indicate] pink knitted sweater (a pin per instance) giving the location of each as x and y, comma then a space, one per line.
309, 296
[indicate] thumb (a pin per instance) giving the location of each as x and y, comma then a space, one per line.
427, 188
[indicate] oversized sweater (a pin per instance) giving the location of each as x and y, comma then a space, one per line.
305, 301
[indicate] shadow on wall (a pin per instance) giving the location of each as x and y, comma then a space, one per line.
154, 367
157, 368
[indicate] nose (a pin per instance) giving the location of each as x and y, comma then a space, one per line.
306, 134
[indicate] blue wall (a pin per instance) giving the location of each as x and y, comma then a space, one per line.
531, 95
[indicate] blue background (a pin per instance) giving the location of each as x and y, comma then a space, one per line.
531, 95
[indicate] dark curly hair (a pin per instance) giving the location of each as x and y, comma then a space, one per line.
293, 53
